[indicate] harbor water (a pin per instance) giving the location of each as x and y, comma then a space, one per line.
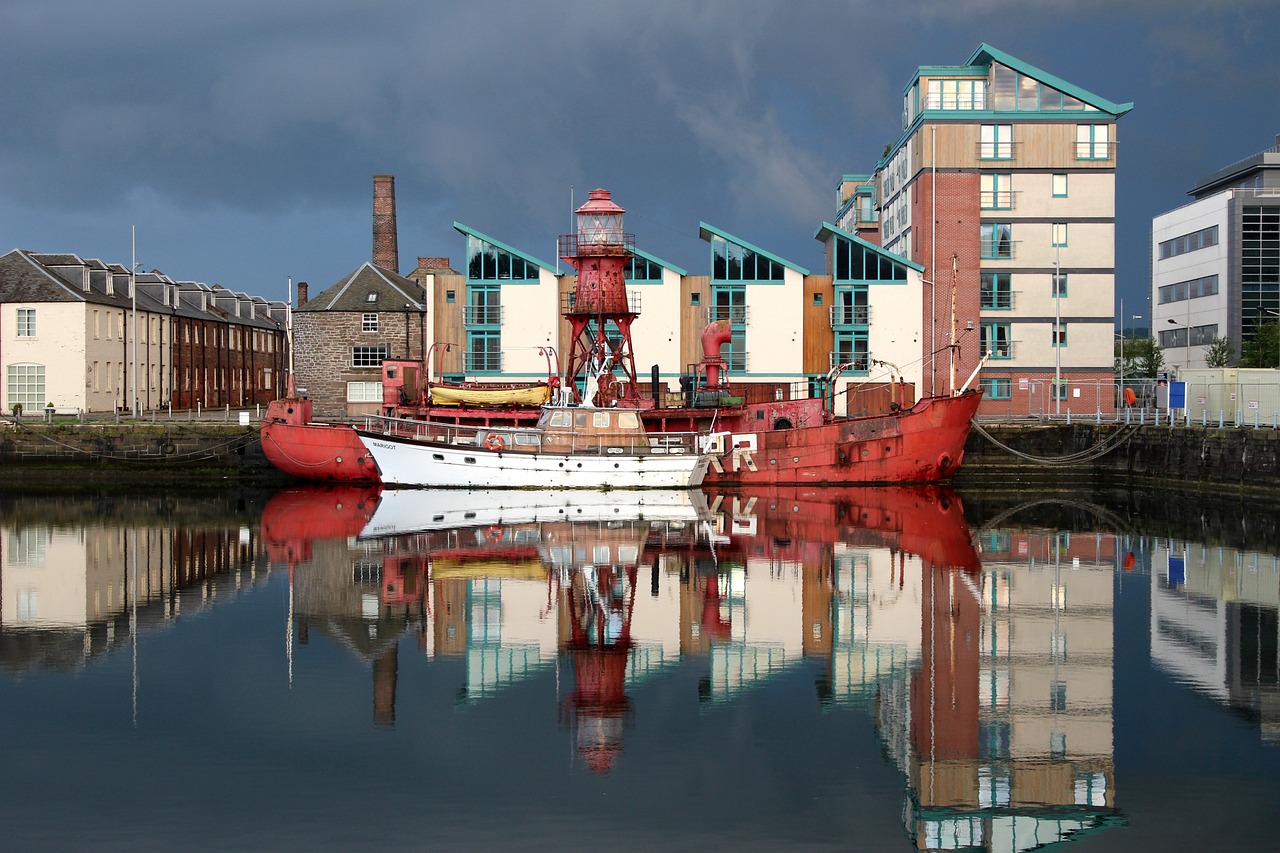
341, 668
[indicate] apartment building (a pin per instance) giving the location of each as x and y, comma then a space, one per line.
1215, 261
1002, 187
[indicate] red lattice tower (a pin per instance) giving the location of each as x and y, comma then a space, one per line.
600, 313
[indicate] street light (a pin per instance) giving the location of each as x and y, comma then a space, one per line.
133, 295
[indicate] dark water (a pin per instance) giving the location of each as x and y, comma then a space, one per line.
320, 669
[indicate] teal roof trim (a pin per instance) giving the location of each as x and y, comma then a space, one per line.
827, 231
985, 54
640, 253
706, 232
471, 232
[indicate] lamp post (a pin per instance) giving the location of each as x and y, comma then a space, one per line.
133, 295
1057, 331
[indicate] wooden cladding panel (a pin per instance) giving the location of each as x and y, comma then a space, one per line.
1036, 145
818, 338
446, 322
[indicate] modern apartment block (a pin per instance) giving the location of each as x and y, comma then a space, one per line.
1215, 262
1002, 186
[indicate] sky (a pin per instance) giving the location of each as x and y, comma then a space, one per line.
240, 139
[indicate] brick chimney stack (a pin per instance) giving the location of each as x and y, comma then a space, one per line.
386, 252
302, 293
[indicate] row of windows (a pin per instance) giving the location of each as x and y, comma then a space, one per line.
855, 262
1191, 289
1093, 142
995, 290
995, 191
487, 262
996, 239
997, 338
1001, 388
1200, 336
1202, 239
733, 262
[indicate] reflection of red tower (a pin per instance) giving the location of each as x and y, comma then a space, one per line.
600, 604
600, 314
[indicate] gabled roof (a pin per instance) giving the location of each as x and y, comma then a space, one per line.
828, 231
640, 253
706, 232
986, 54
24, 277
393, 291
526, 257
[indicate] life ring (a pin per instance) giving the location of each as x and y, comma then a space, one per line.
494, 535
494, 442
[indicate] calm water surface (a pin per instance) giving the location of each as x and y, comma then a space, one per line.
324, 669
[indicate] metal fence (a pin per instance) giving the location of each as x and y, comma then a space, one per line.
1207, 404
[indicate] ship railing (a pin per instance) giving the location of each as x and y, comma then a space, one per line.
536, 439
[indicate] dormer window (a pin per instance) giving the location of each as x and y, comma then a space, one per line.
372, 297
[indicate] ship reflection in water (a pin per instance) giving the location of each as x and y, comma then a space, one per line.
999, 732
856, 667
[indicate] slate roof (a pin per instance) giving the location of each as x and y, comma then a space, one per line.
392, 292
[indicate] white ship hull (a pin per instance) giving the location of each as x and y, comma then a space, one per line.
406, 462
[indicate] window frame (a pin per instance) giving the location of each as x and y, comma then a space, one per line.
26, 322
369, 323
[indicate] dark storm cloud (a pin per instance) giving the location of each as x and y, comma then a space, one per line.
241, 136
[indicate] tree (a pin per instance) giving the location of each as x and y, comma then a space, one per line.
1142, 358
1263, 350
1219, 353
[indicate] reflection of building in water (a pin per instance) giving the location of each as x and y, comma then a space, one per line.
1214, 625
1010, 713
72, 590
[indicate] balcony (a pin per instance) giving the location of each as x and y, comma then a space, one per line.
482, 361
850, 315
736, 315
860, 362
995, 199
482, 315
999, 150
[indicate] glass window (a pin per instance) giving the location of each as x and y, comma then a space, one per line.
364, 392
26, 386
368, 356
484, 351
1060, 334
26, 322
995, 291
996, 142
995, 338
1058, 391
450, 296
1060, 186
369, 323
1058, 285
997, 387
1093, 142
1059, 234
997, 240
994, 192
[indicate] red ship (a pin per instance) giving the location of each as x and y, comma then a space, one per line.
782, 440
